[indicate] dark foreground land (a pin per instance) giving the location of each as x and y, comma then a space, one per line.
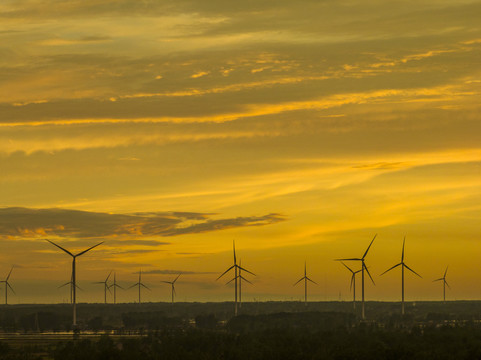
271, 330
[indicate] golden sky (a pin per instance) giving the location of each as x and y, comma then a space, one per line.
298, 128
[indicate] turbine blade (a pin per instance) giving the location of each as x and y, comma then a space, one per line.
365, 267
352, 282
108, 288
173, 290
176, 278
243, 278
312, 281
350, 259
445, 272
447, 284
233, 246
145, 286
61, 286
110, 273
347, 267
402, 255
130, 287
228, 282
298, 281
390, 269
438, 279
8, 276
61, 248
11, 288
250, 272
369, 247
90, 248
407, 267
225, 272
167, 282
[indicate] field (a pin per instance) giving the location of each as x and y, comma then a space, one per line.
291, 330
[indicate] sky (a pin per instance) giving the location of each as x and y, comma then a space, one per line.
169, 129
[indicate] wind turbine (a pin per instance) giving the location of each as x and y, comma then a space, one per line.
71, 291
443, 279
115, 286
7, 285
306, 279
139, 284
363, 267
106, 286
353, 284
236, 276
403, 265
241, 278
74, 284
172, 283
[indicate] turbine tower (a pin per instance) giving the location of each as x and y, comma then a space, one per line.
106, 286
363, 267
443, 279
403, 265
7, 286
306, 279
115, 286
74, 284
236, 277
353, 284
140, 285
172, 283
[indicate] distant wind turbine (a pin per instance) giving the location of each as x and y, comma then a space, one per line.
74, 284
443, 279
306, 279
403, 265
236, 277
241, 278
71, 289
353, 284
115, 286
363, 267
7, 286
172, 283
140, 285
106, 286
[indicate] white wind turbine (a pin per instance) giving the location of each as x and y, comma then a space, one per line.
74, 284
235, 279
106, 286
115, 286
353, 283
140, 284
240, 279
363, 267
443, 279
172, 283
306, 279
403, 265
7, 286
71, 288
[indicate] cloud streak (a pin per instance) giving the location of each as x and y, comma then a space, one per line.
26, 223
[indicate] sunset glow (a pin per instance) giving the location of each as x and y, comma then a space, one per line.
299, 129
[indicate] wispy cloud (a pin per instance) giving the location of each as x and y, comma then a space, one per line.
23, 223
177, 272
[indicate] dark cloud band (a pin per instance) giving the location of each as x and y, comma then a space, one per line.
25, 223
